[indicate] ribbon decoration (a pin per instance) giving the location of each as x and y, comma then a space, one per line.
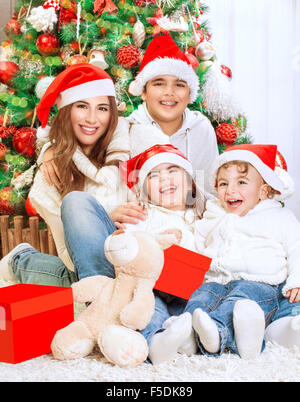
105, 6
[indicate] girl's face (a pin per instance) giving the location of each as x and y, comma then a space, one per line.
90, 119
167, 97
167, 186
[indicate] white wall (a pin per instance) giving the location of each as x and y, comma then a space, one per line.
260, 41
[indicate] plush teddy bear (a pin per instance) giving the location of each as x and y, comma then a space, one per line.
118, 306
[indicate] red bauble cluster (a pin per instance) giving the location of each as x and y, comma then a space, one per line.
30, 208
13, 26
8, 70
128, 56
144, 3
6, 207
6, 132
226, 133
47, 44
24, 141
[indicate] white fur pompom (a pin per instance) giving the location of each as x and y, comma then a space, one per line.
288, 184
217, 94
42, 86
42, 19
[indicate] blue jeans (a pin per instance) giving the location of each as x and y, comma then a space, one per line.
30, 266
219, 300
86, 226
162, 311
286, 308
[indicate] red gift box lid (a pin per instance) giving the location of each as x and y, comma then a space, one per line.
22, 300
183, 271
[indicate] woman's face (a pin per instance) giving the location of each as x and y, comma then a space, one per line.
90, 119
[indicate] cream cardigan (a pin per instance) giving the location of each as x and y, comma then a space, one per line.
262, 246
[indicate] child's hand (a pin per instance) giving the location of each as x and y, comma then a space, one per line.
293, 295
175, 232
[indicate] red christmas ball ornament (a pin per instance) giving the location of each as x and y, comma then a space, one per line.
6, 207
30, 208
226, 133
3, 150
193, 60
6, 132
226, 71
77, 59
128, 56
13, 26
47, 44
280, 161
8, 69
24, 141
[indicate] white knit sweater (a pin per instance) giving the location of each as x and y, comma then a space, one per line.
160, 219
262, 246
104, 184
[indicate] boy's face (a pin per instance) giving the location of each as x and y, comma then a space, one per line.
240, 192
167, 186
166, 97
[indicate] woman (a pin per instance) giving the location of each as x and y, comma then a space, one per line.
83, 140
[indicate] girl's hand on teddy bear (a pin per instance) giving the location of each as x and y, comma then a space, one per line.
176, 232
130, 212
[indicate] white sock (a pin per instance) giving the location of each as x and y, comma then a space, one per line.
164, 345
285, 331
189, 346
249, 328
207, 330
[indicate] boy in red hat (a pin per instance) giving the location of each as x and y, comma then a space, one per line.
254, 243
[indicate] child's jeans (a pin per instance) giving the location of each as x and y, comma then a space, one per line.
163, 310
218, 301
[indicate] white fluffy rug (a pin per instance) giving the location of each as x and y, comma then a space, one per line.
275, 364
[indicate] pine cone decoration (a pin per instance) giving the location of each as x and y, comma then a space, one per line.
128, 56
226, 133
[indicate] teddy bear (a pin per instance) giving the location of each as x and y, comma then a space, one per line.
119, 306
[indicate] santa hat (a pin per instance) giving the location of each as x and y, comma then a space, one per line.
163, 57
75, 83
136, 169
263, 159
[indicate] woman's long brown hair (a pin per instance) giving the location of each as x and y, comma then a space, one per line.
64, 144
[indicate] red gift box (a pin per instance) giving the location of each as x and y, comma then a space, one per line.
183, 272
30, 315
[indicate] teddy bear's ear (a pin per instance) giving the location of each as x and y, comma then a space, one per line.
166, 240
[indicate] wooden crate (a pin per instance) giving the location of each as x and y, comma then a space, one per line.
25, 230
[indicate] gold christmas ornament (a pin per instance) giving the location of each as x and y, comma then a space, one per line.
138, 34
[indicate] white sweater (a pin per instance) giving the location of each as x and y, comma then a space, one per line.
104, 184
262, 246
160, 219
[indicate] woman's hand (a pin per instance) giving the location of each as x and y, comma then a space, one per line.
293, 295
49, 169
131, 212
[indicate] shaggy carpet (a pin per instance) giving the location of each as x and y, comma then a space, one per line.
275, 364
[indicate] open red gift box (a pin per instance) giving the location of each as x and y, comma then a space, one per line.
30, 315
183, 272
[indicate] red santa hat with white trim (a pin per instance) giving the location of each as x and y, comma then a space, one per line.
163, 57
263, 157
75, 83
135, 170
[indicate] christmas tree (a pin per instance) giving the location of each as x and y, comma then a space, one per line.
45, 37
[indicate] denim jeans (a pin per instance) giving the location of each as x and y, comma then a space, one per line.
162, 312
30, 266
86, 226
218, 301
286, 308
